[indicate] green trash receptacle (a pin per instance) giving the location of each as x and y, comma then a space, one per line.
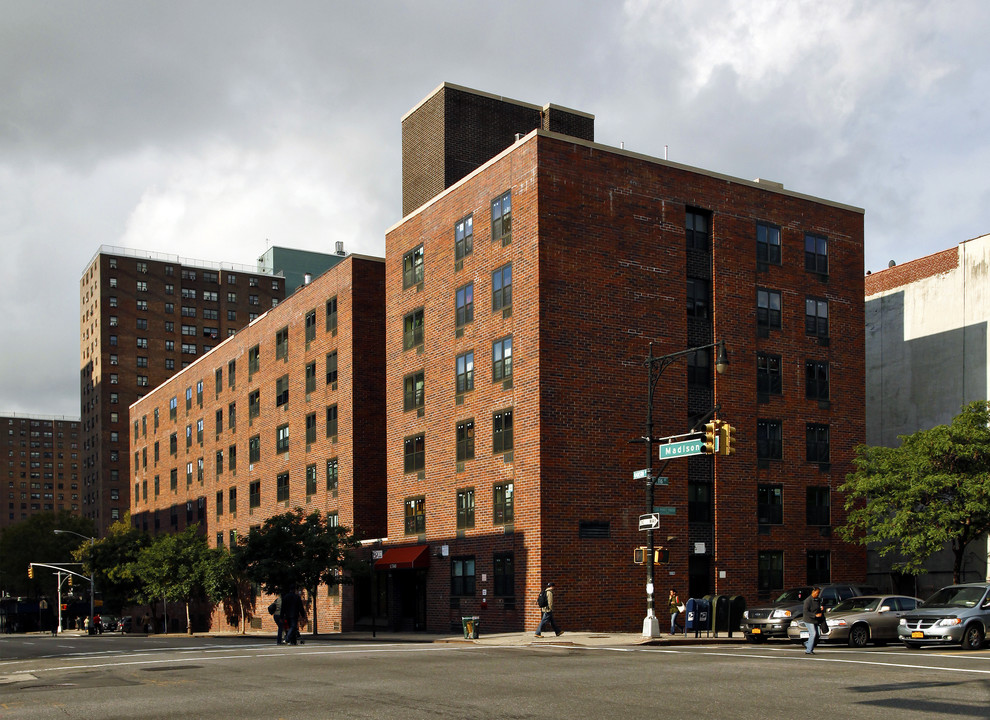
470, 625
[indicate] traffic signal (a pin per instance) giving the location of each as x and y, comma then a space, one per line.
31, 571
70, 581
710, 445
727, 441
661, 556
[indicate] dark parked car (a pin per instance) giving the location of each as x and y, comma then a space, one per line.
772, 620
955, 615
861, 620
109, 623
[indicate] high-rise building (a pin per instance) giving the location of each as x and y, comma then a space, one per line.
523, 294
143, 317
42, 466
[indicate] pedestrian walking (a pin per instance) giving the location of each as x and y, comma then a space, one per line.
813, 615
545, 602
676, 607
292, 611
275, 609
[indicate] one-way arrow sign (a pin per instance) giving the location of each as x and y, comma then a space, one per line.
650, 521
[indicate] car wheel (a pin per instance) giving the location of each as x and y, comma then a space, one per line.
911, 645
859, 635
972, 637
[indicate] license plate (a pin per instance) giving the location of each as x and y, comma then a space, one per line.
917, 634
756, 631
804, 634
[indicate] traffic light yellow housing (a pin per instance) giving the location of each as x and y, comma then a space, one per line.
727, 440
661, 556
711, 437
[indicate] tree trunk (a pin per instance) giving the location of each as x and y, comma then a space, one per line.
312, 595
188, 619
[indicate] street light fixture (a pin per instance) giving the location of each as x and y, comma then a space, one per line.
92, 583
654, 368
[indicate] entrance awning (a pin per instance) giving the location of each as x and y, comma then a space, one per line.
405, 558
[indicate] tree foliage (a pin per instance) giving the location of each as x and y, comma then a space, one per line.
225, 583
173, 566
34, 540
931, 491
293, 549
113, 563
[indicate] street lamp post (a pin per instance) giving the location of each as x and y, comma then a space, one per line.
92, 583
654, 369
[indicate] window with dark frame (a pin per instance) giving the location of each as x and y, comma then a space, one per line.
503, 510
232, 501
254, 449
819, 567
816, 253
502, 288
254, 494
413, 395
331, 420
770, 504
699, 369
465, 508
463, 237
412, 267
502, 439
465, 440
696, 230
768, 375
282, 344
311, 326
254, 360
254, 404
699, 501
414, 453
770, 571
697, 298
818, 443
462, 576
502, 218
816, 317
768, 243
412, 329
282, 438
310, 377
464, 372
415, 512
504, 574
502, 359
816, 379
282, 391
768, 308
464, 303
331, 367
332, 314
333, 475
818, 505
282, 487
311, 479
310, 428
769, 439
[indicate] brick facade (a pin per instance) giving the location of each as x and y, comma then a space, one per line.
42, 466
356, 446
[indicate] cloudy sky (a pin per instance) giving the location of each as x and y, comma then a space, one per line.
209, 129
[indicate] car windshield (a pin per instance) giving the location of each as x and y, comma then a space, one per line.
858, 604
955, 596
795, 596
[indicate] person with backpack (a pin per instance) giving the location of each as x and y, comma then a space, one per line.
292, 611
275, 610
545, 602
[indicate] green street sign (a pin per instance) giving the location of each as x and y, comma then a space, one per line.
664, 510
681, 449
661, 481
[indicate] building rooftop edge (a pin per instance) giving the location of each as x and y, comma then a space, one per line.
493, 96
166, 257
26, 416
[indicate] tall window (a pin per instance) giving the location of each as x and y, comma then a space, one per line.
282, 487
232, 374
502, 287
413, 391
310, 377
699, 368
282, 344
696, 230
412, 267
412, 329
503, 510
502, 359
699, 501
816, 253
232, 501
816, 317
463, 237
465, 372
254, 360
332, 315
232, 457
332, 368
502, 218
768, 379
502, 440
311, 428
819, 567
818, 506
465, 508
697, 298
254, 404
816, 380
415, 515
333, 475
232, 416
311, 326
254, 494
311, 479
331, 420
768, 308
254, 449
465, 305
504, 574
817, 443
282, 391
465, 440
768, 243
768, 439
769, 504
770, 571
282, 438
414, 453
462, 576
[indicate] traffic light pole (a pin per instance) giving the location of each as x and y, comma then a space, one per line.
654, 369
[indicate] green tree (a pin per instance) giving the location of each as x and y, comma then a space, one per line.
34, 540
931, 491
293, 549
173, 566
114, 564
225, 583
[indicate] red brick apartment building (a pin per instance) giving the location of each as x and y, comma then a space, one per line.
522, 292
143, 317
286, 413
42, 454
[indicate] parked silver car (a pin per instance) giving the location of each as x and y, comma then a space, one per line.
955, 615
861, 620
772, 620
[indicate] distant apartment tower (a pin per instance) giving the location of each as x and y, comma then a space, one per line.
43, 458
143, 317
926, 357
287, 413
298, 265
523, 287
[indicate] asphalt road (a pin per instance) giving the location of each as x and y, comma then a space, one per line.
252, 678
